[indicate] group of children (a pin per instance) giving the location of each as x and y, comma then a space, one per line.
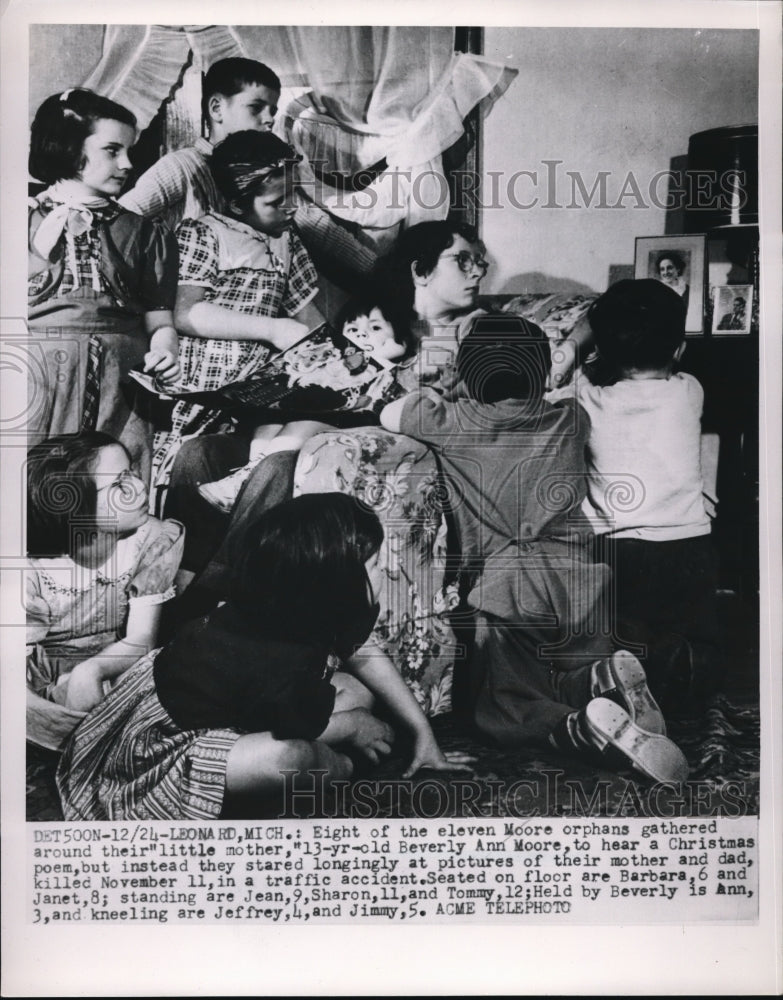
252, 688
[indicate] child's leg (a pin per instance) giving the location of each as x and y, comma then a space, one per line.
262, 436
516, 700
521, 702
256, 762
200, 460
291, 437
350, 693
666, 598
268, 439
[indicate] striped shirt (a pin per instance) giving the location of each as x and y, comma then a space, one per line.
179, 186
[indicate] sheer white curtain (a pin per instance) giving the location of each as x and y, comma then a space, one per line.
393, 93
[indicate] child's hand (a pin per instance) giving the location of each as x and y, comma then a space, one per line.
435, 354
370, 735
288, 332
84, 688
710, 506
563, 364
164, 365
427, 753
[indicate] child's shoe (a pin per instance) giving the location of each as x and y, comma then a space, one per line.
607, 729
621, 678
224, 492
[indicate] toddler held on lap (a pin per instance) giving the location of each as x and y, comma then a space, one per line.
369, 326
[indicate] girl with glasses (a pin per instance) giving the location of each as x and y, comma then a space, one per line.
436, 270
99, 571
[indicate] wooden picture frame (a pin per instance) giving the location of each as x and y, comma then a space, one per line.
732, 309
677, 261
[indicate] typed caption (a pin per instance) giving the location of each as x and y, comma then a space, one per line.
551, 870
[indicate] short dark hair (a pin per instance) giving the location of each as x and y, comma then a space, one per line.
245, 162
504, 357
61, 125
638, 325
60, 489
229, 76
301, 575
364, 305
421, 245
674, 257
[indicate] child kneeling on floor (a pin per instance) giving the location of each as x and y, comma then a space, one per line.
647, 500
542, 670
211, 721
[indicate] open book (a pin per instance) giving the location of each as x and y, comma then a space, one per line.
322, 374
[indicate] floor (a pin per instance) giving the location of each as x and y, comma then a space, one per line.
720, 740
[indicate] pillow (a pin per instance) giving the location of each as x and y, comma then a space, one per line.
556, 313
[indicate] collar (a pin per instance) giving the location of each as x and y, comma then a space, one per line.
203, 146
242, 227
273, 250
68, 212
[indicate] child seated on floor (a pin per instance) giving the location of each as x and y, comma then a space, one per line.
371, 329
99, 571
646, 497
281, 677
542, 669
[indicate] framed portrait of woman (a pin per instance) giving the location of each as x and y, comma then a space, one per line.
677, 261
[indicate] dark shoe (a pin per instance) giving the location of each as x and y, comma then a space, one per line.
606, 729
621, 679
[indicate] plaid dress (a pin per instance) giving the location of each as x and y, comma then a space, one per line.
128, 760
83, 269
87, 300
242, 270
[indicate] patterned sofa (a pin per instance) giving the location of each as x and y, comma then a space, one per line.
397, 477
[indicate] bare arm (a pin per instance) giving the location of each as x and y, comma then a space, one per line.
162, 359
710, 448
391, 415
376, 671
360, 728
198, 318
85, 682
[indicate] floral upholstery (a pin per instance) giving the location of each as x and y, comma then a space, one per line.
397, 477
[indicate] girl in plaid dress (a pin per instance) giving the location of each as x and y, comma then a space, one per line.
242, 277
101, 280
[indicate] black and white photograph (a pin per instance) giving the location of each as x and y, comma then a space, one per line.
678, 263
390, 520
732, 310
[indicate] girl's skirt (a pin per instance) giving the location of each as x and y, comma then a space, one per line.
129, 761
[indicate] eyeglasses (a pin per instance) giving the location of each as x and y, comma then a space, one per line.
127, 481
466, 261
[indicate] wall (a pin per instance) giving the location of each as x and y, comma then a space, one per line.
61, 56
617, 100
